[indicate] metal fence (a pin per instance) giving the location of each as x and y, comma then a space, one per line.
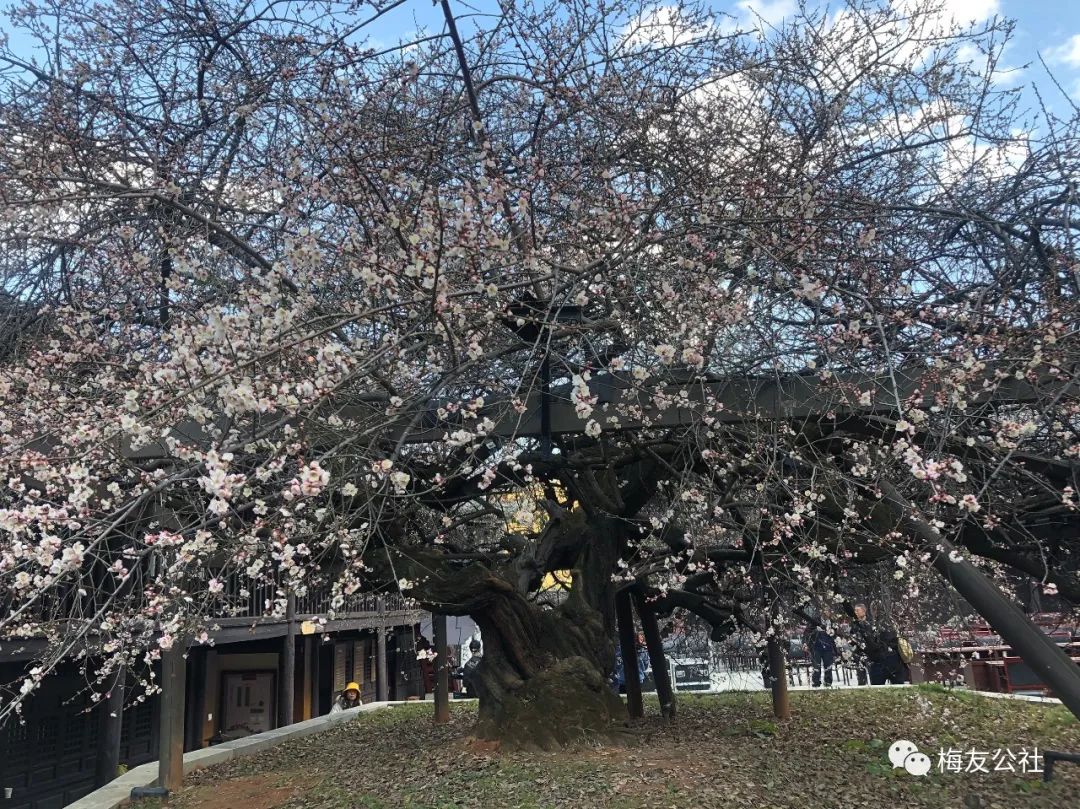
799, 670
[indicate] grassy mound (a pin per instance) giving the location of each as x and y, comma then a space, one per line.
723, 751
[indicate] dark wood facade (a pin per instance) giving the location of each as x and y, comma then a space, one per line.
54, 756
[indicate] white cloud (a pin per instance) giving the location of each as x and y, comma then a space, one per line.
965, 11
772, 12
1067, 53
663, 26
959, 12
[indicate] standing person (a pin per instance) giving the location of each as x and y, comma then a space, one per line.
617, 680
642, 659
468, 671
348, 698
822, 650
863, 638
889, 666
425, 654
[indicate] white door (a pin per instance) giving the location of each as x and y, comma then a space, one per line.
249, 702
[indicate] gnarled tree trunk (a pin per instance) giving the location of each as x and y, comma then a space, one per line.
543, 679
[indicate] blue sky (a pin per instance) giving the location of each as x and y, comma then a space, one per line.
1047, 27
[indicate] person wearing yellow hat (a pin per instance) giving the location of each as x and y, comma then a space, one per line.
349, 698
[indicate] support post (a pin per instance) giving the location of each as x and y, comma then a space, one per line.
442, 672
171, 744
112, 723
287, 665
1045, 657
305, 685
651, 629
781, 705
314, 647
624, 613
196, 699
382, 682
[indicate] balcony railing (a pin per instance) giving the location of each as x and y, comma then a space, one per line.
262, 595
243, 599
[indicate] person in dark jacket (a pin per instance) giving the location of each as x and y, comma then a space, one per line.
889, 667
821, 647
863, 639
468, 671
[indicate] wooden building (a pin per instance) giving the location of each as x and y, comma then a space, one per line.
245, 682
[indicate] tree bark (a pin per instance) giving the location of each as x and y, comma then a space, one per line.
543, 679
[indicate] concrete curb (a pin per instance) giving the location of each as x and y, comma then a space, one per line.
1020, 697
117, 792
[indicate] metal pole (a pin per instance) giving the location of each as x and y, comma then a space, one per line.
171, 745
1045, 657
624, 613
287, 665
442, 672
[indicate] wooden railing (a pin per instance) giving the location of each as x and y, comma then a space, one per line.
69, 604
259, 603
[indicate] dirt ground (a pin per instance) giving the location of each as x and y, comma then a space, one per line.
722, 751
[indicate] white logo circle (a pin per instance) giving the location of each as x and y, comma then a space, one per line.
900, 750
917, 763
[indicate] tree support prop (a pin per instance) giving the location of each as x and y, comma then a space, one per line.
657, 659
624, 613
442, 671
1044, 656
781, 705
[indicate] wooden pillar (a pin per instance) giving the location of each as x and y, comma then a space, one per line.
305, 685
287, 666
171, 744
651, 629
442, 671
196, 699
778, 670
624, 613
313, 648
382, 681
112, 722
